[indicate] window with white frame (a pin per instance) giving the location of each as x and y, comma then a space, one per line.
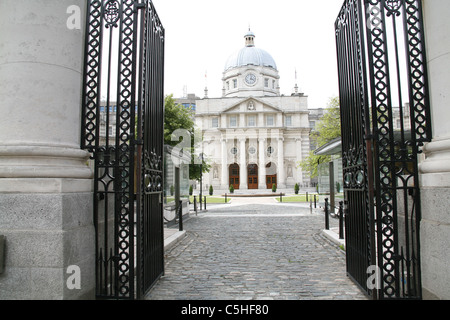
288, 121
269, 120
215, 122
251, 121
233, 121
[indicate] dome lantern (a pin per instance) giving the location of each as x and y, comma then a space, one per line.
249, 39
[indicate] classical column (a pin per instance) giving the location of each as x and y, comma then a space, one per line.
281, 177
243, 165
435, 169
46, 199
262, 164
298, 147
224, 178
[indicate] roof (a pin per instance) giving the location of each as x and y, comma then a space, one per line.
330, 148
250, 55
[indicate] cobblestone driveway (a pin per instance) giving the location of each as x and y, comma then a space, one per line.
255, 251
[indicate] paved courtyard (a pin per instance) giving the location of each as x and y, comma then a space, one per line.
255, 249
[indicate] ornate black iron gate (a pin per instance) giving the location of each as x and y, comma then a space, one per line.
122, 126
385, 114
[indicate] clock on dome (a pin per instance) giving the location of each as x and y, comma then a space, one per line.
250, 79
250, 72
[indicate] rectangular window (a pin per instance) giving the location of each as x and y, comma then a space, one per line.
251, 121
273, 84
235, 83
233, 121
269, 121
215, 123
288, 121
266, 82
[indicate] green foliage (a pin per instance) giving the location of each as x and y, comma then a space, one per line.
211, 190
195, 170
191, 190
274, 187
296, 188
177, 117
231, 189
311, 163
327, 129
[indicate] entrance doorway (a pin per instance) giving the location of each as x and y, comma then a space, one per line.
234, 176
271, 175
252, 176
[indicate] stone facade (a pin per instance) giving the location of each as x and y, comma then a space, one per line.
435, 167
46, 199
253, 136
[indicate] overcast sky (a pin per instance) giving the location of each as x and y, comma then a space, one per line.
202, 34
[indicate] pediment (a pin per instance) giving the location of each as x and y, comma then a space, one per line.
251, 104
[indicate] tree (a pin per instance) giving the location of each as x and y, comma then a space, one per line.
327, 129
178, 117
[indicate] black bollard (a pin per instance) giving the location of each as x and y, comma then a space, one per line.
327, 218
195, 204
341, 220
180, 215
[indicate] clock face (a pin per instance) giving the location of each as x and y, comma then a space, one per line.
250, 79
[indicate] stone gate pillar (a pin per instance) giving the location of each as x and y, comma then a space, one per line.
45, 182
435, 169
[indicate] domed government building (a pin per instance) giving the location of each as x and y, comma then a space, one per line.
253, 136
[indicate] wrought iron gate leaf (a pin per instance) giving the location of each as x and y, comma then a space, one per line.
124, 67
381, 173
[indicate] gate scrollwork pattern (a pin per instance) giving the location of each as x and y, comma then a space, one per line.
381, 60
118, 128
